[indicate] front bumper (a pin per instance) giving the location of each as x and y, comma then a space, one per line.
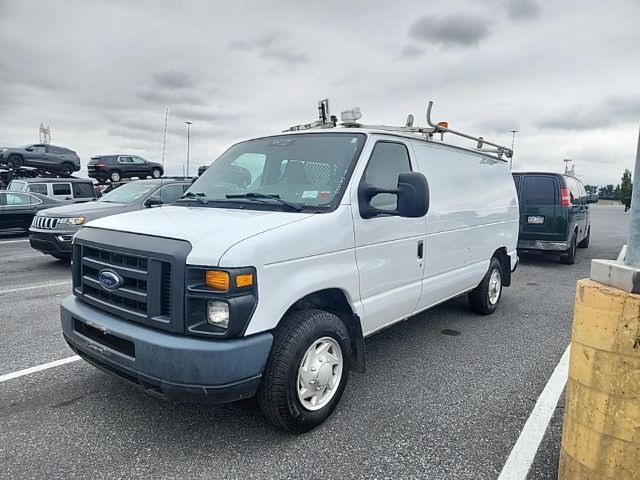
51, 242
170, 364
558, 246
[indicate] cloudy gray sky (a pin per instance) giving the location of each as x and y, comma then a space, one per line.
566, 74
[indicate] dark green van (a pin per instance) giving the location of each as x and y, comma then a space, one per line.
554, 213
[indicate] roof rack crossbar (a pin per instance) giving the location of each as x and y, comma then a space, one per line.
500, 149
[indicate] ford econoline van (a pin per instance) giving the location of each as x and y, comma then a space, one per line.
289, 250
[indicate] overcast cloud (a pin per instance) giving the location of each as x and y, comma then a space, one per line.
566, 74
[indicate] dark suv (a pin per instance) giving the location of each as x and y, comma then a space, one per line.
554, 213
117, 167
48, 158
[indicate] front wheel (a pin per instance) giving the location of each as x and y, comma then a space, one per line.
485, 297
156, 173
14, 161
307, 370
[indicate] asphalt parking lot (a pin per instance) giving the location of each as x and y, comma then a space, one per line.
445, 394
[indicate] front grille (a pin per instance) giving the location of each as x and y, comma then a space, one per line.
144, 294
45, 223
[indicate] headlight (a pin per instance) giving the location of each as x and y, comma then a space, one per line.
218, 313
220, 302
71, 221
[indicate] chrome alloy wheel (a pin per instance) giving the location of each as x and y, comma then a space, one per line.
495, 284
319, 373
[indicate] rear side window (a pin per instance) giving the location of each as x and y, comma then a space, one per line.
56, 150
38, 188
83, 190
539, 190
61, 189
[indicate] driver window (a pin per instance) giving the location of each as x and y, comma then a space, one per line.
388, 160
38, 149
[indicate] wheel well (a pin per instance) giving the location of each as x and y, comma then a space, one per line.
333, 300
504, 259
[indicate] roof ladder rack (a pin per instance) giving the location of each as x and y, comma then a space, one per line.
443, 127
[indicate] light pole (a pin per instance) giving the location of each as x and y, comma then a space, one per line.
513, 141
188, 128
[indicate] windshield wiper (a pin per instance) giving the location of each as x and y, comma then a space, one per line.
196, 196
258, 196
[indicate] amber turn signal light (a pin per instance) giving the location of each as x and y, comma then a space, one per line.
244, 280
217, 280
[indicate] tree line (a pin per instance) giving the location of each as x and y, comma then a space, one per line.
621, 192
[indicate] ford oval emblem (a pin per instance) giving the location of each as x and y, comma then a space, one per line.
110, 280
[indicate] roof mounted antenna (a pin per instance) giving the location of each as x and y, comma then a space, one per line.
443, 127
325, 119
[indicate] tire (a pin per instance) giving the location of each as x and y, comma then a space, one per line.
156, 173
15, 161
569, 257
484, 299
281, 396
66, 169
115, 176
585, 241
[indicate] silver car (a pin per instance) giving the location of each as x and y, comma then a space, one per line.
52, 230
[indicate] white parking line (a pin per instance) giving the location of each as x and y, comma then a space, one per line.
13, 241
38, 368
524, 451
33, 287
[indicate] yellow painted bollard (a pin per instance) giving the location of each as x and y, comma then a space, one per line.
601, 432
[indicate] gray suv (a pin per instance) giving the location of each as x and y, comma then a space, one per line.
48, 158
52, 230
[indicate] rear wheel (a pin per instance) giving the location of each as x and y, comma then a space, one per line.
484, 299
156, 173
66, 169
115, 176
584, 243
15, 161
569, 257
307, 370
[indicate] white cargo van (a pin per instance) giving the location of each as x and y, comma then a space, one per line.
289, 250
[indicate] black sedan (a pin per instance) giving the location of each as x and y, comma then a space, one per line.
17, 209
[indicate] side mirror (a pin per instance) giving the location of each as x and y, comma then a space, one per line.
29, 149
152, 202
412, 197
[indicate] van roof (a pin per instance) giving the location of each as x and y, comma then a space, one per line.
368, 130
553, 174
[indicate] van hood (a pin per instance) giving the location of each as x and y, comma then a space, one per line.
210, 231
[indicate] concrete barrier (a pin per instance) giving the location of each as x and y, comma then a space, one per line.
601, 432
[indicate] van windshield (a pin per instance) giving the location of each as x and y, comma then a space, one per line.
306, 171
